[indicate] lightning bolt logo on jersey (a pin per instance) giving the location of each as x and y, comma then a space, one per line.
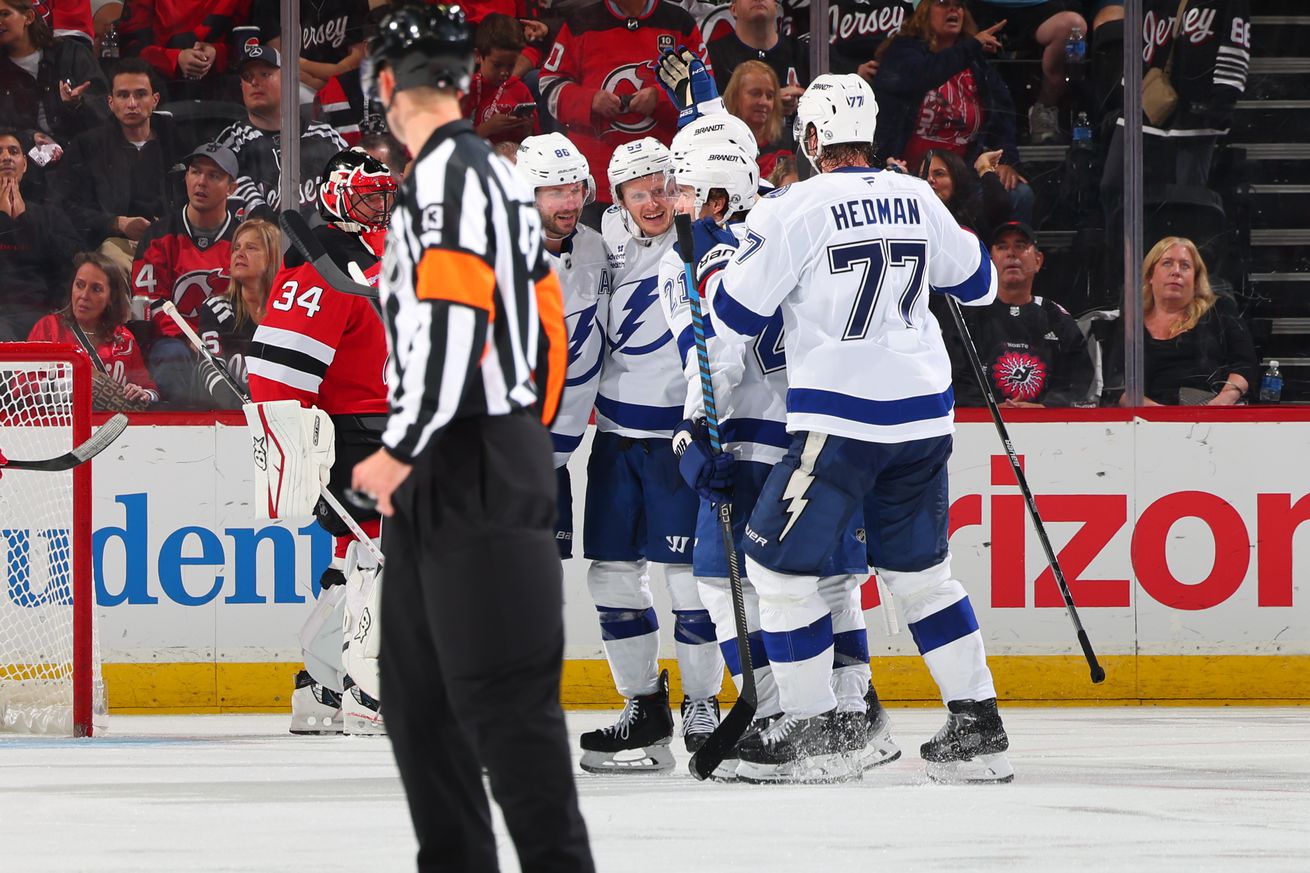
640, 296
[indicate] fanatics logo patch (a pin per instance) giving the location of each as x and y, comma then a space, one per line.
433, 219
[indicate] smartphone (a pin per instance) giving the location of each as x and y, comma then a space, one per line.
523, 110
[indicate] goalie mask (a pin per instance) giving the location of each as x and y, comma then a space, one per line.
840, 108
357, 192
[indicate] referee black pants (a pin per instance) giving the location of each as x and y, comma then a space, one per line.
472, 642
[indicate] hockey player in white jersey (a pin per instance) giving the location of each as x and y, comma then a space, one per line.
639, 511
714, 159
559, 174
848, 256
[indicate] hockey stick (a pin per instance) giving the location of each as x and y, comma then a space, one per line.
335, 505
102, 439
1098, 672
725, 737
293, 224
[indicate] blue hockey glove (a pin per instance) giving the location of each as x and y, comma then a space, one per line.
688, 84
709, 474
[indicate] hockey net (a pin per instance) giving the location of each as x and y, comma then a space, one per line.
50, 676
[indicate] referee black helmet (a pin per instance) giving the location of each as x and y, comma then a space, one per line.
424, 46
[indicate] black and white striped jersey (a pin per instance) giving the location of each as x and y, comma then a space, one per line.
474, 314
259, 159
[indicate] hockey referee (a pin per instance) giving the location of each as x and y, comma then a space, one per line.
472, 632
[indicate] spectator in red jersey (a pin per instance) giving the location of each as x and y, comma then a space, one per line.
500, 106
331, 49
183, 258
599, 78
113, 180
68, 18
755, 37
187, 41
98, 301
36, 244
228, 320
50, 87
752, 95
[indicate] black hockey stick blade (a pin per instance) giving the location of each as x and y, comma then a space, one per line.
293, 224
720, 744
99, 441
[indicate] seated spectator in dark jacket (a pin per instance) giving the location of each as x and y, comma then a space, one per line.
1198, 349
1031, 349
755, 37
188, 42
37, 244
184, 258
50, 87
113, 180
936, 90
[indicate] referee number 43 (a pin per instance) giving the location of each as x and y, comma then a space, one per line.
291, 296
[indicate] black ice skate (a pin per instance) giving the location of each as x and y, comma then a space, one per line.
796, 750
867, 735
699, 719
315, 710
971, 746
638, 742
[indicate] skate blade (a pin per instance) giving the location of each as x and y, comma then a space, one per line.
812, 770
881, 749
364, 725
726, 771
651, 759
981, 769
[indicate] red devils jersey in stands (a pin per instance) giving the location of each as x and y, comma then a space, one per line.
120, 352
67, 17
158, 30
600, 48
174, 261
320, 346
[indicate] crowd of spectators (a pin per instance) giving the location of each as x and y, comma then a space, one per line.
148, 133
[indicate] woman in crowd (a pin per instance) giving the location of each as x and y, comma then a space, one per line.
1198, 349
936, 90
228, 322
975, 196
99, 303
752, 96
50, 87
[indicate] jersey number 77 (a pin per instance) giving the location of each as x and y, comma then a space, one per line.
873, 258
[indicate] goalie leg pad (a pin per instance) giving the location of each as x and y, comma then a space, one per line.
320, 638
294, 449
362, 619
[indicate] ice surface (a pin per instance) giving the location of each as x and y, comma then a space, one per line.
1153, 789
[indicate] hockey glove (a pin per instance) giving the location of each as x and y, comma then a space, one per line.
688, 84
712, 262
709, 474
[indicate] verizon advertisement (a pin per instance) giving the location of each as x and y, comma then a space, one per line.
1177, 538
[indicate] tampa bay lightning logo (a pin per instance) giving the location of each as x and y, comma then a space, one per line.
579, 336
637, 324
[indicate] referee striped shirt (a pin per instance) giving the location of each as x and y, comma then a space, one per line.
474, 315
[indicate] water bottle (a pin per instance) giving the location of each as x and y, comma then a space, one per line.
109, 45
1271, 386
1075, 55
1082, 131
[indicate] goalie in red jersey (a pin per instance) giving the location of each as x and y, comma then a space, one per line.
319, 405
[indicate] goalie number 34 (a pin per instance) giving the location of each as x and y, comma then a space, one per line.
291, 296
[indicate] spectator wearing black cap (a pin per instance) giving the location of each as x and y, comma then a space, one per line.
113, 180
257, 145
1031, 348
183, 258
37, 245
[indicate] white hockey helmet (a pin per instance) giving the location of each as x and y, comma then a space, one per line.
551, 159
841, 108
726, 165
644, 157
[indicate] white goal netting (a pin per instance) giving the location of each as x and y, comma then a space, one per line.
45, 542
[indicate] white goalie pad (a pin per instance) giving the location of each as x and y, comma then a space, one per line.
361, 624
320, 638
294, 449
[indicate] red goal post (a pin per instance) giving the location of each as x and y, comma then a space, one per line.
50, 674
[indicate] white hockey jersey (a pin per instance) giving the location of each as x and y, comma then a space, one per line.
642, 387
585, 272
847, 256
750, 381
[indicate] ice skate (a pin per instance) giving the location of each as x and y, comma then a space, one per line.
361, 714
638, 742
867, 735
315, 710
796, 750
699, 719
971, 746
